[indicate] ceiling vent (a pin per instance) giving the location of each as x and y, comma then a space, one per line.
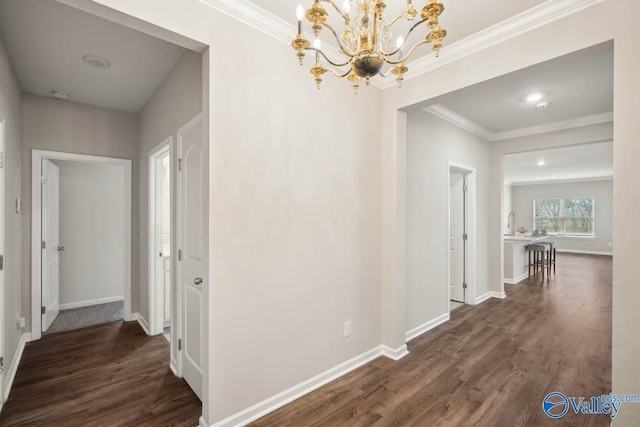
96, 61
542, 105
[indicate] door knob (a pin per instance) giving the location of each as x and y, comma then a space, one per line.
60, 248
197, 281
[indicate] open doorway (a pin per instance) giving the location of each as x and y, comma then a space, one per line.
457, 238
78, 200
160, 202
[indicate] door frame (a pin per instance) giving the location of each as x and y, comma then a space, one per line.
471, 230
198, 119
3, 214
36, 232
156, 320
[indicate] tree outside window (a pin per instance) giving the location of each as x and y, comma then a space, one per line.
571, 216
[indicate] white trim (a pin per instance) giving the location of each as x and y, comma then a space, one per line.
13, 368
250, 14
560, 181
537, 16
394, 353
417, 331
142, 321
36, 232
156, 299
490, 294
473, 127
91, 302
274, 402
202, 422
516, 280
3, 216
578, 251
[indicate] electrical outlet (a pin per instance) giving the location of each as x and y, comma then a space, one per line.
610, 244
347, 329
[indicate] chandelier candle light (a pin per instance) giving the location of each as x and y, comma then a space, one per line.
366, 41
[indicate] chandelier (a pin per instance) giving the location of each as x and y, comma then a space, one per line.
366, 41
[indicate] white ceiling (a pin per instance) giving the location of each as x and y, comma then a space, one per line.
567, 163
460, 18
47, 40
576, 85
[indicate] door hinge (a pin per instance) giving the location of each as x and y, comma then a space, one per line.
179, 254
179, 344
42, 179
179, 165
465, 236
43, 245
1, 262
43, 310
1, 363
464, 286
465, 188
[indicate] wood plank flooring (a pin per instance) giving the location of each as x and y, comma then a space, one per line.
105, 375
490, 365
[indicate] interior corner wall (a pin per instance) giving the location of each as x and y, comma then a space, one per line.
431, 144
10, 108
70, 127
601, 190
175, 102
91, 214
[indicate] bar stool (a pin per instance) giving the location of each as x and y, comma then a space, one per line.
537, 251
551, 254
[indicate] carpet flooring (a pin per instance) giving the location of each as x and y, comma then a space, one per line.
82, 317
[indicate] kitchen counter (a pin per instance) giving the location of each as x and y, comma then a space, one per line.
516, 258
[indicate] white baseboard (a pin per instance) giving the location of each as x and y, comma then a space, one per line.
577, 251
13, 369
490, 294
91, 302
142, 321
261, 409
174, 369
426, 327
202, 422
516, 280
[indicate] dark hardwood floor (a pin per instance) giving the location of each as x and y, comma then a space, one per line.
105, 375
490, 365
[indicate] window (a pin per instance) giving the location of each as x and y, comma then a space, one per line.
572, 216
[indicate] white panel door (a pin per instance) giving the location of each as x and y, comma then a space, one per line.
51, 245
192, 243
456, 242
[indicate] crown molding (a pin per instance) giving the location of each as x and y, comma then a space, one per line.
560, 181
537, 16
464, 123
254, 16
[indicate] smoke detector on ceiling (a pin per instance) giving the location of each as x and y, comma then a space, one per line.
58, 94
542, 105
96, 61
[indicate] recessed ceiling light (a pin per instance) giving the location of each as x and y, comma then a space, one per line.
541, 163
96, 61
535, 97
60, 94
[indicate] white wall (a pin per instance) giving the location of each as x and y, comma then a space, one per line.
177, 100
10, 109
51, 124
431, 144
92, 231
602, 191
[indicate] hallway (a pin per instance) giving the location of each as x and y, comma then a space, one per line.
490, 365
106, 375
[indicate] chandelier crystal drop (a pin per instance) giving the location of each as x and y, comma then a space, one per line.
366, 43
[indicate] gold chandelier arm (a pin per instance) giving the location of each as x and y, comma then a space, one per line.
405, 38
401, 60
342, 47
337, 9
337, 74
396, 19
326, 58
